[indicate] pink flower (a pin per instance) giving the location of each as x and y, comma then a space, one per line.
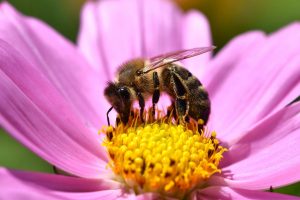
51, 98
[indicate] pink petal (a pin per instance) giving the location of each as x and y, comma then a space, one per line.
22, 185
196, 33
58, 60
34, 112
27, 185
268, 155
225, 193
247, 84
219, 72
115, 31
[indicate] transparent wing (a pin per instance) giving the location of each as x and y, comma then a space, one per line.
168, 58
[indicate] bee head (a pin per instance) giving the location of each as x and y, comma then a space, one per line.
120, 98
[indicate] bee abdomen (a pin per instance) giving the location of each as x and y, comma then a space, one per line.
199, 104
196, 95
193, 83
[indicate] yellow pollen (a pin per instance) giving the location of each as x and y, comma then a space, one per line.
163, 156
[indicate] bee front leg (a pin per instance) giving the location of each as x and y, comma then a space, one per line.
156, 93
141, 104
181, 92
107, 117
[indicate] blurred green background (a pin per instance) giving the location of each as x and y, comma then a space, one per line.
227, 19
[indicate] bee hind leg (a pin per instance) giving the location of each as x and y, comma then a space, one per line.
181, 106
171, 110
156, 93
181, 92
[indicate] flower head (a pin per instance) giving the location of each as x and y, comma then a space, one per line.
162, 156
51, 100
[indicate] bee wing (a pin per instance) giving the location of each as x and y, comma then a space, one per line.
168, 58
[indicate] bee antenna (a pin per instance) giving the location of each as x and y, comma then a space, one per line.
107, 117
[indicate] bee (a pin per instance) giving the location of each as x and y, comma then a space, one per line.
138, 79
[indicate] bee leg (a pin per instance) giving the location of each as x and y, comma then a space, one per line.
181, 102
142, 105
181, 106
118, 121
107, 117
156, 93
171, 110
187, 119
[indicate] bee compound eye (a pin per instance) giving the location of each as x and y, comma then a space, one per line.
124, 93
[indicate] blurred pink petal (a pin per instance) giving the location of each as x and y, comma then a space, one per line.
267, 155
226, 193
115, 31
42, 120
263, 81
57, 59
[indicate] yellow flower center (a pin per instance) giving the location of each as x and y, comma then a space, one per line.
163, 156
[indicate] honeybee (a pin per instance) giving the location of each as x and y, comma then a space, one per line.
138, 79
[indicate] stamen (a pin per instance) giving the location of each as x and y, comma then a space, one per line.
163, 156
